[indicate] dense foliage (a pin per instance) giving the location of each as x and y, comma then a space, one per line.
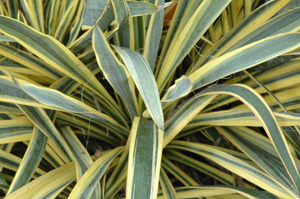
150, 98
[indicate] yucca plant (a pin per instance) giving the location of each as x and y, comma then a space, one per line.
149, 99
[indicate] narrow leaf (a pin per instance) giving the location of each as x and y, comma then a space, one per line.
114, 71
86, 185
145, 82
144, 160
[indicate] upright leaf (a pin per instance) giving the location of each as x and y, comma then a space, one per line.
144, 160
114, 71
196, 26
144, 81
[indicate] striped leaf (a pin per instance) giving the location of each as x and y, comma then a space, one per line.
82, 158
29, 61
10, 91
184, 115
137, 8
41, 120
56, 54
86, 39
178, 173
15, 130
3, 184
118, 185
87, 183
239, 117
93, 11
13, 8
54, 181
258, 147
265, 116
184, 41
120, 169
6, 39
200, 166
234, 165
181, 88
30, 15
222, 191
153, 35
242, 29
121, 11
144, 81
244, 58
144, 160
166, 185
30, 161
75, 30
114, 71
65, 20
287, 22
37, 10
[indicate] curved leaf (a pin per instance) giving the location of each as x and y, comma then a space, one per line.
54, 180
144, 81
114, 71
87, 183
234, 165
244, 57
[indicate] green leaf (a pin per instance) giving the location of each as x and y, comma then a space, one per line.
137, 8
93, 11
262, 111
54, 181
234, 165
189, 35
144, 160
261, 151
114, 71
30, 161
166, 185
57, 55
87, 183
245, 57
83, 160
144, 81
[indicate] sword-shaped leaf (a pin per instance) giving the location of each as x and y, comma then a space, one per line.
24, 93
234, 165
184, 41
144, 81
144, 160
30, 161
244, 57
54, 181
83, 160
114, 71
87, 183
56, 54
